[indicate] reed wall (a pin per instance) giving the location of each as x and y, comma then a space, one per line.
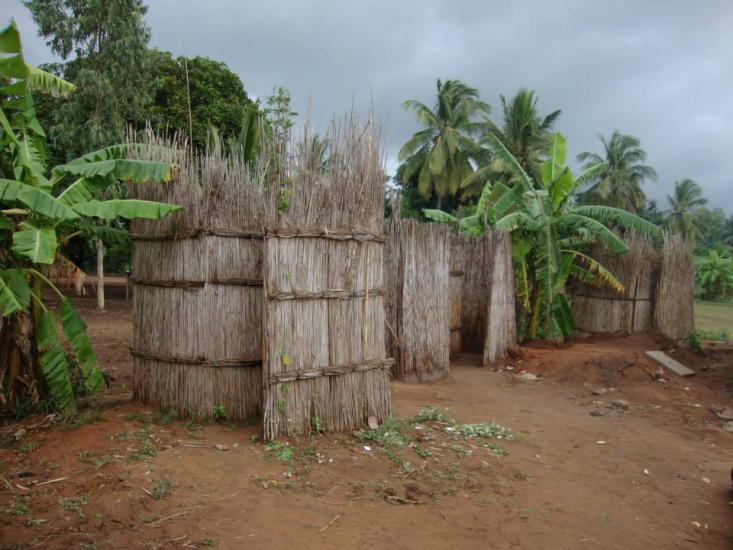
602, 310
197, 305
264, 295
456, 294
487, 298
673, 315
501, 330
325, 366
417, 267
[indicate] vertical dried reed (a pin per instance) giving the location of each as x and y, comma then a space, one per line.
197, 305
417, 271
602, 310
501, 330
487, 302
324, 357
674, 308
456, 293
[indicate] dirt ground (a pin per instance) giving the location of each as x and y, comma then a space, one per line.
642, 463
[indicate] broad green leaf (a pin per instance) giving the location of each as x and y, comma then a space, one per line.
83, 190
45, 204
503, 153
75, 330
9, 190
439, 216
619, 216
483, 200
117, 152
599, 231
5, 125
14, 291
125, 208
558, 152
53, 363
563, 315
505, 199
45, 82
35, 243
566, 262
37, 200
6, 223
136, 171
30, 159
471, 224
595, 267
13, 67
10, 39
562, 188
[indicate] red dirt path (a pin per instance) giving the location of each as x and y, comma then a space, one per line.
661, 480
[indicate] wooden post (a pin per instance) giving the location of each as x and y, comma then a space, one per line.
100, 274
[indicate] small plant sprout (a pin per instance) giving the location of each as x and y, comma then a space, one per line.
161, 488
220, 413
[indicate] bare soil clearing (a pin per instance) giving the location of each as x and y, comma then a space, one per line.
605, 455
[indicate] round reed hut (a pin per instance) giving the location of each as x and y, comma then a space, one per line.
264, 294
197, 301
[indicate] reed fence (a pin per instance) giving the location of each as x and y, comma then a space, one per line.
601, 309
418, 299
673, 314
456, 294
487, 297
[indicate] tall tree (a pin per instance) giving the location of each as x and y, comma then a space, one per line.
713, 225
686, 198
104, 44
438, 157
525, 133
42, 208
214, 93
619, 185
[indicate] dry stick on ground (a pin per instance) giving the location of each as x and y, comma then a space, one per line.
325, 527
161, 520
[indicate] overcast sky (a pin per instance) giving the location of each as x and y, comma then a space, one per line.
659, 70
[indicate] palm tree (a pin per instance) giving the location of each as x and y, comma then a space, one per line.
619, 185
440, 154
687, 196
525, 133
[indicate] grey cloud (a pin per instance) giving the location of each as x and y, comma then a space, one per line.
662, 71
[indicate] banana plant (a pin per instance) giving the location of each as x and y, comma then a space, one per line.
551, 235
40, 208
